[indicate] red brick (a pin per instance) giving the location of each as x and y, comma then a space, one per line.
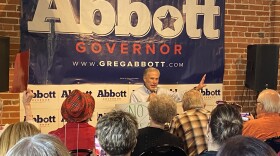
257, 24
10, 121
3, 14
242, 7
13, 14
248, 12
251, 18
11, 108
14, 114
8, 7
262, 13
9, 20
7, 27
242, 23
256, 7
230, 6
230, 22
13, 2
242, 29
14, 52
9, 96
234, 12
15, 46
233, 17
237, 1
254, 29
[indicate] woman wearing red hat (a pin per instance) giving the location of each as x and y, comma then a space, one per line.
77, 109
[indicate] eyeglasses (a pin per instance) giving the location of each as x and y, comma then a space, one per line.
239, 107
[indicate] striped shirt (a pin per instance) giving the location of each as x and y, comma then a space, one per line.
191, 126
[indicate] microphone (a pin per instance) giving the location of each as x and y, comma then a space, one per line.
154, 91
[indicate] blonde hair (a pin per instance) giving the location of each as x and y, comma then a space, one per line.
14, 132
162, 108
192, 99
270, 99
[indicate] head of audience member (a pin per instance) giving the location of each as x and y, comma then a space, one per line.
14, 132
192, 99
151, 78
245, 146
162, 108
268, 102
78, 107
116, 132
225, 122
40, 145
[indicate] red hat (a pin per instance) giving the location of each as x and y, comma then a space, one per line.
77, 107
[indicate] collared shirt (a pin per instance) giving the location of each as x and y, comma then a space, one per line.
191, 126
267, 125
76, 135
142, 94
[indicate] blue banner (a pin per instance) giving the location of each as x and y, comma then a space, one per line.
113, 41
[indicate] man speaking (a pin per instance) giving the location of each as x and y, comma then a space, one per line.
150, 88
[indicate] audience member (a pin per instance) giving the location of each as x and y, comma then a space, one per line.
77, 109
225, 122
26, 99
150, 88
267, 124
191, 125
162, 108
116, 132
245, 146
14, 132
39, 145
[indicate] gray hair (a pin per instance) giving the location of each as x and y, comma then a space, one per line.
192, 99
270, 100
162, 108
116, 132
150, 69
39, 145
225, 122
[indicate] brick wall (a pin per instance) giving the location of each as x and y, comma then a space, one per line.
9, 26
246, 22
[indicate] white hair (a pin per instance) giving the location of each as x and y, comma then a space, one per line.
270, 100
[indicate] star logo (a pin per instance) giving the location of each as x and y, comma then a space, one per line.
168, 21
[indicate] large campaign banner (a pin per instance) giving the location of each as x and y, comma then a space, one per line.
113, 41
102, 47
